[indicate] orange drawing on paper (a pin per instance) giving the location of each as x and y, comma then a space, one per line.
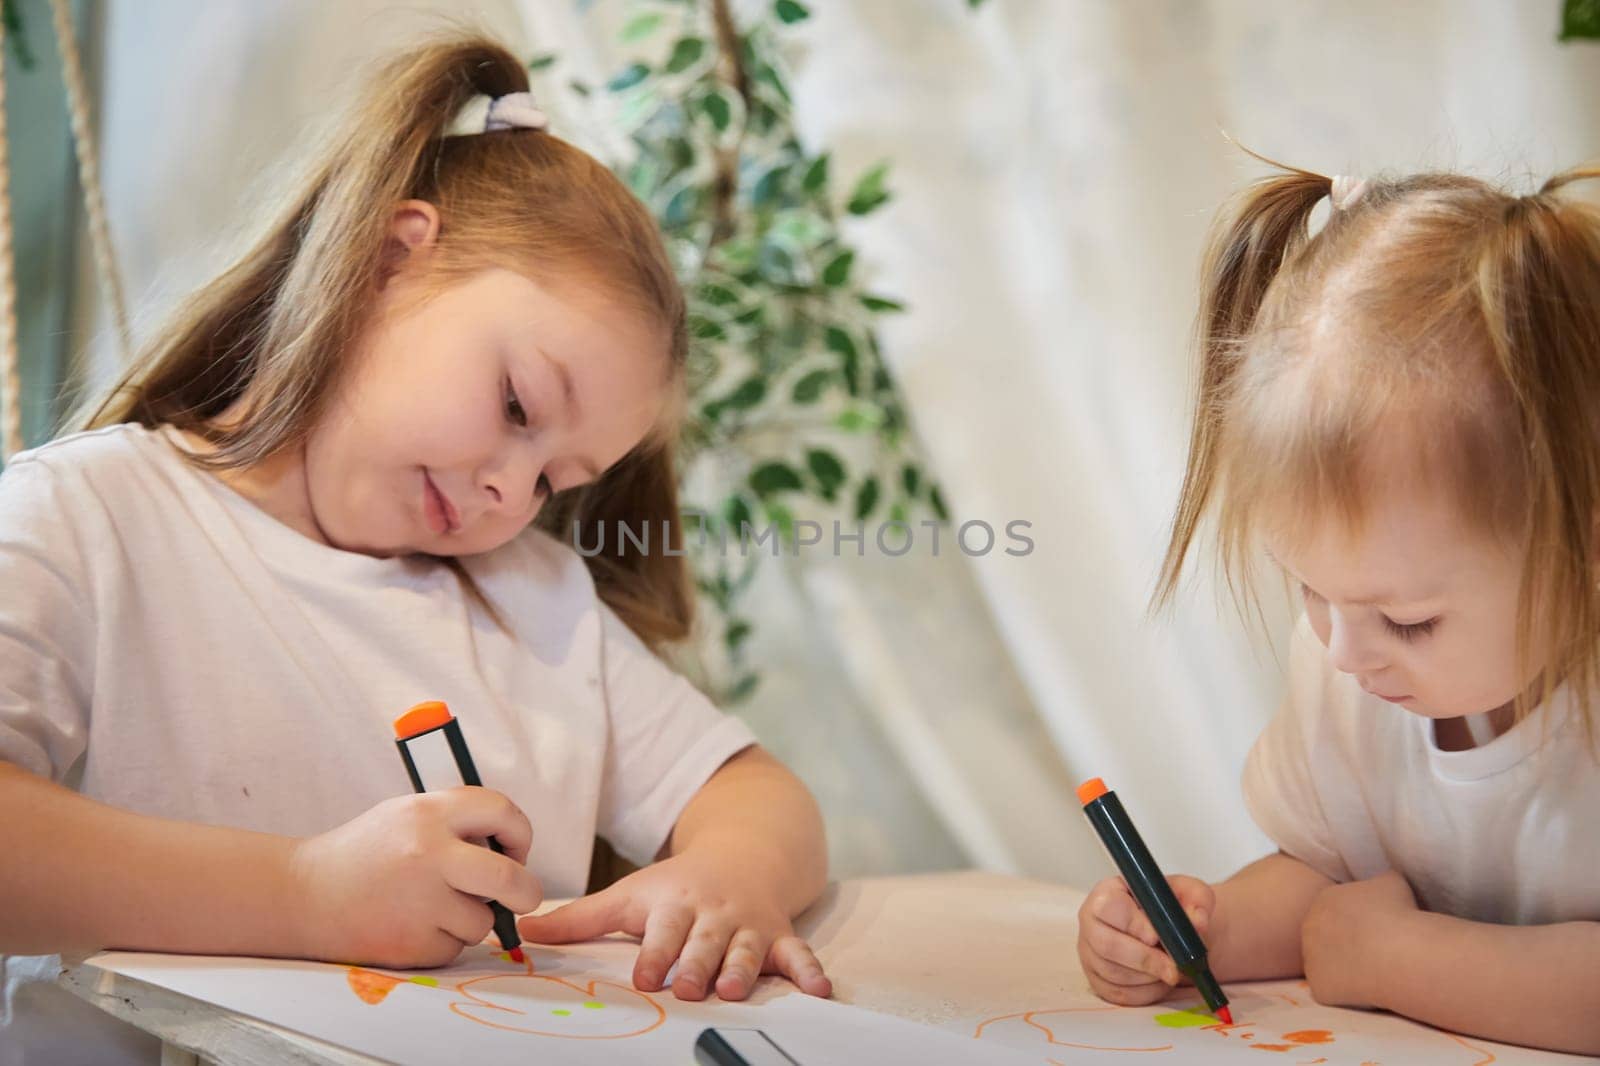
531, 1003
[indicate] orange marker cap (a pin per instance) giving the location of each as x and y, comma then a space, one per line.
1091, 790
421, 718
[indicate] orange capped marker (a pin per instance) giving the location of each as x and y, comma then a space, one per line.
1150, 889
436, 756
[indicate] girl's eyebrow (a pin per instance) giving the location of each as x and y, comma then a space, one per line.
1364, 601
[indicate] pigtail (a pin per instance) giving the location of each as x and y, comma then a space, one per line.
1253, 238
1538, 282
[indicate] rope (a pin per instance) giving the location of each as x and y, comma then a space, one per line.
10, 378
94, 200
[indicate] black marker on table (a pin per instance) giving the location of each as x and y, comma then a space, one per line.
739, 1047
436, 755
1151, 891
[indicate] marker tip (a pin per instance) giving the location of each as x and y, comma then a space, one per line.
1226, 1015
517, 956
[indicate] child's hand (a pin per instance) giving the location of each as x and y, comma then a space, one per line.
1343, 934
699, 910
405, 884
1121, 954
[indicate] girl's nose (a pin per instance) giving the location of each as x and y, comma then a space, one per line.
511, 483
1349, 650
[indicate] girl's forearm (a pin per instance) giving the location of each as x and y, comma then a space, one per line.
1255, 933
78, 875
1536, 985
754, 807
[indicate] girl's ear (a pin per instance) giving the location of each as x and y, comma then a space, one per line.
413, 231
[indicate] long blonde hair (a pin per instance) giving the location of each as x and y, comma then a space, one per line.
282, 317
1474, 312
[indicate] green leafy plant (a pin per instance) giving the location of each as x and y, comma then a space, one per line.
795, 416
1580, 20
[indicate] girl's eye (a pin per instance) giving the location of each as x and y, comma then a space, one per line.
514, 409
1410, 631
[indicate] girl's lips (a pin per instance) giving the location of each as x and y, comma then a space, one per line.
436, 507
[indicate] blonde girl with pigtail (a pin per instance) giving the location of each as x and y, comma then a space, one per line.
344, 479
1401, 414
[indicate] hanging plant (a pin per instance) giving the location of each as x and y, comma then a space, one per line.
795, 416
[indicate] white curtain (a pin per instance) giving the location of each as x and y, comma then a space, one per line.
1056, 165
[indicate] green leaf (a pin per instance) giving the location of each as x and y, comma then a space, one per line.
837, 272
870, 192
632, 75
774, 477
706, 329
866, 498
736, 511
640, 26
718, 110
747, 395
858, 420
840, 342
974, 4
717, 295
1580, 19
809, 388
789, 12
826, 467
816, 176
544, 62
938, 504
737, 632
911, 478
579, 87
880, 304
685, 54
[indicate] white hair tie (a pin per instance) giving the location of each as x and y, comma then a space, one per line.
1346, 191
513, 111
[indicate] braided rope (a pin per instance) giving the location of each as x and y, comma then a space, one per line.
94, 200
10, 378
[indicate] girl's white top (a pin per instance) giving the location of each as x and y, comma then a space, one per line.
1507, 832
169, 648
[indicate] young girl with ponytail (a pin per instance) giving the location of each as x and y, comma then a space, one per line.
1403, 413
343, 481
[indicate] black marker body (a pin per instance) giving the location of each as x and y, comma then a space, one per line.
1154, 896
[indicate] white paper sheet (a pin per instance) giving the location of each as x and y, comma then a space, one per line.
1275, 1022
574, 1004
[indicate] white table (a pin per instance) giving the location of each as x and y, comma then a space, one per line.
929, 948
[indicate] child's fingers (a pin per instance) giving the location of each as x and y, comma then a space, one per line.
465, 918
1113, 945
792, 957
472, 812
1116, 983
480, 872
665, 929
582, 919
701, 958
742, 963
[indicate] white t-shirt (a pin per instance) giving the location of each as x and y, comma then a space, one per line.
169, 648
1507, 832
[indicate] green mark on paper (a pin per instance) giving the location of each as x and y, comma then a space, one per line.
563, 1013
431, 982
1184, 1019
594, 1004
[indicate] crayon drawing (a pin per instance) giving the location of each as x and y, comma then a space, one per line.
1278, 1018
574, 1004
522, 1001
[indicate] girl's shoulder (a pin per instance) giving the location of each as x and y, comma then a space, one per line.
109, 449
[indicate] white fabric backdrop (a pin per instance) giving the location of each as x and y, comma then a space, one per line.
1056, 165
